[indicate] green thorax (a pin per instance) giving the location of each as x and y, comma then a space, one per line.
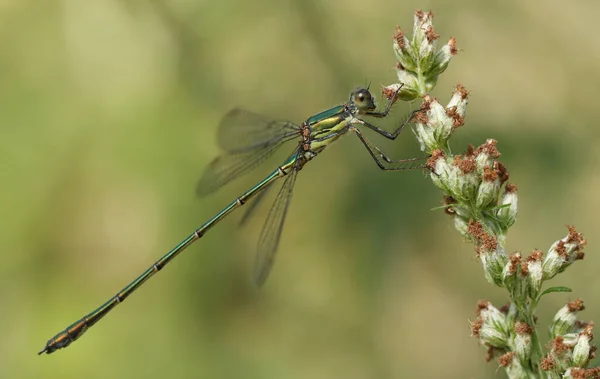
327, 126
332, 112
330, 121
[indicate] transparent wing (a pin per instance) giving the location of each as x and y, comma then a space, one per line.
250, 208
242, 130
248, 139
228, 167
271, 232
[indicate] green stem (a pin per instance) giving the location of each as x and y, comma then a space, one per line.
535, 339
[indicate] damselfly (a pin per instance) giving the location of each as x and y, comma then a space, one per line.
261, 137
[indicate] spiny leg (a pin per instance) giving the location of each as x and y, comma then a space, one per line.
383, 161
388, 107
393, 135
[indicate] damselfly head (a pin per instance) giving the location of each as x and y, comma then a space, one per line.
363, 100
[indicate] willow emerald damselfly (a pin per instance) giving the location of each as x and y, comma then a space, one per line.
248, 139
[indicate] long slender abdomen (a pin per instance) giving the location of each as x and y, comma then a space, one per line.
78, 328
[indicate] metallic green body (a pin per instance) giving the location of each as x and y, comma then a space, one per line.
316, 133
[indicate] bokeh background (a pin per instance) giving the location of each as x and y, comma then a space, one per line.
108, 115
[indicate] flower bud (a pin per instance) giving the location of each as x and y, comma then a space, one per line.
490, 326
508, 211
534, 273
485, 155
492, 255
459, 102
418, 63
435, 124
439, 122
565, 318
461, 225
462, 212
488, 189
425, 138
401, 47
467, 182
493, 266
514, 369
510, 270
410, 85
581, 373
442, 59
583, 348
561, 353
521, 342
563, 252
424, 37
441, 170
549, 366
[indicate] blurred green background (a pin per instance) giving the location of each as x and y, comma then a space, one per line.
108, 115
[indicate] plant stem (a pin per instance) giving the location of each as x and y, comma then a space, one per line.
538, 353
